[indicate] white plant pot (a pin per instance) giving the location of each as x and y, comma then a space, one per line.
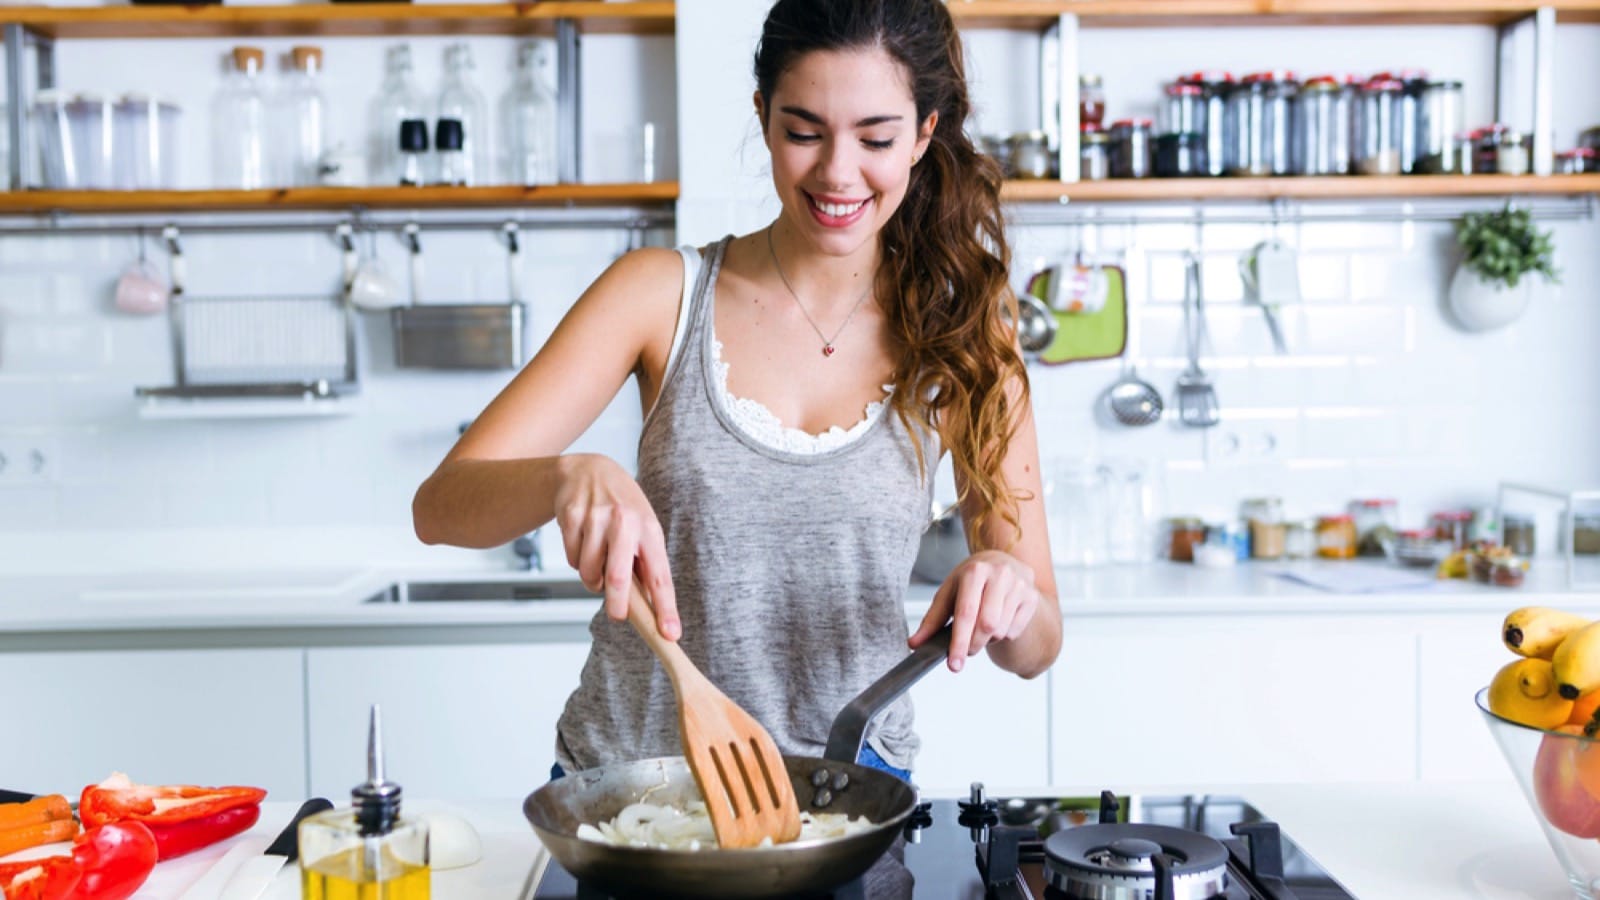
1480, 305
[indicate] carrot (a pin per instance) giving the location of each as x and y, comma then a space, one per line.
37, 811
14, 839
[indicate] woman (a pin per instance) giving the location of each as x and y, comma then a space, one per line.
773, 524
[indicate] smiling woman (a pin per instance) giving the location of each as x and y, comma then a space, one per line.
800, 385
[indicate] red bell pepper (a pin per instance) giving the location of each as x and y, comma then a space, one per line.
115, 860
50, 878
183, 817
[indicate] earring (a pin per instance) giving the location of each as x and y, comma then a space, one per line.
914, 159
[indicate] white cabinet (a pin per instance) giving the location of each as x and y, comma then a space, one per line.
458, 721
958, 715
163, 716
1155, 700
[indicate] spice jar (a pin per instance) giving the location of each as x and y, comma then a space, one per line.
1378, 117
1263, 518
1376, 522
1464, 157
1094, 155
1454, 526
1130, 148
1586, 533
1260, 118
1336, 537
1440, 121
1511, 153
1030, 155
1183, 108
1414, 84
1186, 534
1321, 129
1180, 155
1578, 161
1419, 547
1485, 148
1091, 101
1215, 86
1299, 540
1519, 534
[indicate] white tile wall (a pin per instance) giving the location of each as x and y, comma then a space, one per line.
1379, 395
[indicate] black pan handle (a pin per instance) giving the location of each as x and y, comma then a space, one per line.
850, 726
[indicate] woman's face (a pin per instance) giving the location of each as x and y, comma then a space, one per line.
843, 132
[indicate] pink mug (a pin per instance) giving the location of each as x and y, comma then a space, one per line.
140, 289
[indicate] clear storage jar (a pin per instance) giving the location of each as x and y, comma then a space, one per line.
1183, 108
1414, 84
1441, 120
146, 142
1260, 124
1215, 86
1030, 155
75, 138
1321, 129
1511, 153
1376, 522
1378, 119
1130, 148
1094, 156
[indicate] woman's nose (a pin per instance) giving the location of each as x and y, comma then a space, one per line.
838, 165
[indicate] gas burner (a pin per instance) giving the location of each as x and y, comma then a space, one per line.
1122, 861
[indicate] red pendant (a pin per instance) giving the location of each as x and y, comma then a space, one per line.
827, 349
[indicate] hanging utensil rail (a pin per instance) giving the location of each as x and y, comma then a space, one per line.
1214, 212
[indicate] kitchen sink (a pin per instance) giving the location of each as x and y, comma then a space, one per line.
483, 591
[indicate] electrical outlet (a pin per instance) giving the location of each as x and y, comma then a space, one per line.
1243, 443
24, 461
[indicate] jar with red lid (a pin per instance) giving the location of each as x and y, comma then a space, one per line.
1091, 100
1440, 119
1260, 119
1215, 86
1183, 108
1336, 537
1376, 522
1577, 161
1378, 122
1185, 534
1321, 128
1414, 85
1130, 148
1486, 148
1455, 526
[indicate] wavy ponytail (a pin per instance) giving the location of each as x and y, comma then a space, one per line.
943, 277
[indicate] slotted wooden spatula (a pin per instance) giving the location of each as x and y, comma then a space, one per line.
734, 760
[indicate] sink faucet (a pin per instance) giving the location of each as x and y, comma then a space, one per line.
527, 550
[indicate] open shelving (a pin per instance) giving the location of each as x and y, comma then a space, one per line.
338, 198
1329, 187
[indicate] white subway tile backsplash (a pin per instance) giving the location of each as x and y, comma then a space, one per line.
1355, 329
53, 346
218, 502
28, 507
23, 293
116, 503
26, 401
1325, 277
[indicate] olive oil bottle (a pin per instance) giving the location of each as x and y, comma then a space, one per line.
369, 851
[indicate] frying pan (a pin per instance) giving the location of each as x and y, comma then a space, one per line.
800, 867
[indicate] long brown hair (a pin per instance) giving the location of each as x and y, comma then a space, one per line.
943, 278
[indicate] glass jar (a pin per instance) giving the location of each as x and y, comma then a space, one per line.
1076, 502
1464, 157
1511, 155
1091, 100
1577, 161
1094, 155
1455, 526
1030, 155
1215, 86
1260, 124
1184, 534
1130, 148
1415, 84
1485, 148
1299, 540
1321, 129
1378, 118
1183, 109
1519, 534
1376, 523
1440, 121
1586, 534
1336, 537
1419, 547
1180, 155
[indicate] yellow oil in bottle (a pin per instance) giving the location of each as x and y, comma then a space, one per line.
346, 876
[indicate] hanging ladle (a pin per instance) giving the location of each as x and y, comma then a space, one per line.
1132, 400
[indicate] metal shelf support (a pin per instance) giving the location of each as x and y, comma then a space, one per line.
569, 103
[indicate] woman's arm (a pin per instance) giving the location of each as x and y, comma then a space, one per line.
1003, 596
506, 475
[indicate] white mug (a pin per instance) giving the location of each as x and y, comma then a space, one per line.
373, 288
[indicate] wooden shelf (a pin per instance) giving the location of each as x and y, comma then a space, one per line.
1297, 188
343, 19
337, 198
1040, 14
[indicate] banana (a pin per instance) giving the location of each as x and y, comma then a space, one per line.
1576, 662
1524, 691
1536, 631
1454, 565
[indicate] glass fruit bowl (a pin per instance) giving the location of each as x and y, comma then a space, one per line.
1559, 772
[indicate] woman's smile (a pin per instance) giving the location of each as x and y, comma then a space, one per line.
835, 212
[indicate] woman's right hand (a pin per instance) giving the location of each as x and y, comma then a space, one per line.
610, 533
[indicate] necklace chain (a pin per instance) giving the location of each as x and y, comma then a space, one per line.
827, 342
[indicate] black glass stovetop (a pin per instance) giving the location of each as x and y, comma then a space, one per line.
942, 860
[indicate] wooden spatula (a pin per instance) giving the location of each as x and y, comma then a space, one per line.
734, 760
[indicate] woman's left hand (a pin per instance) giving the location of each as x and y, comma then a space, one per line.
989, 597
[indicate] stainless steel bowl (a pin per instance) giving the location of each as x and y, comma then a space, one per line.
943, 547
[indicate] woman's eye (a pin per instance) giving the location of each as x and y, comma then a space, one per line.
799, 138
878, 145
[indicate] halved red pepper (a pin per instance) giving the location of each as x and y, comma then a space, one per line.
183, 817
115, 860
50, 878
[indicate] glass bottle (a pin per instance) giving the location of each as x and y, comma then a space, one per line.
447, 142
460, 99
412, 151
239, 123
528, 116
1091, 100
1378, 127
370, 849
304, 118
398, 100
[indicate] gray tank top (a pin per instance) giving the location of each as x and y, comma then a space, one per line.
790, 570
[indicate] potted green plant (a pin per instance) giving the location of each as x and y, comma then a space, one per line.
1500, 250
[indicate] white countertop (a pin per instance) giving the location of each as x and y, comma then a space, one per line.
1383, 842
331, 597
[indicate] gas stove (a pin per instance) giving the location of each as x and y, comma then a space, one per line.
1129, 847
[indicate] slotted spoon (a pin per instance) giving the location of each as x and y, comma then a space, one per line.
734, 760
1197, 397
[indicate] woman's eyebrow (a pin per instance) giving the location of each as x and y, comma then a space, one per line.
813, 118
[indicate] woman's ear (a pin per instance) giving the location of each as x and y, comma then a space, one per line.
761, 110
925, 133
